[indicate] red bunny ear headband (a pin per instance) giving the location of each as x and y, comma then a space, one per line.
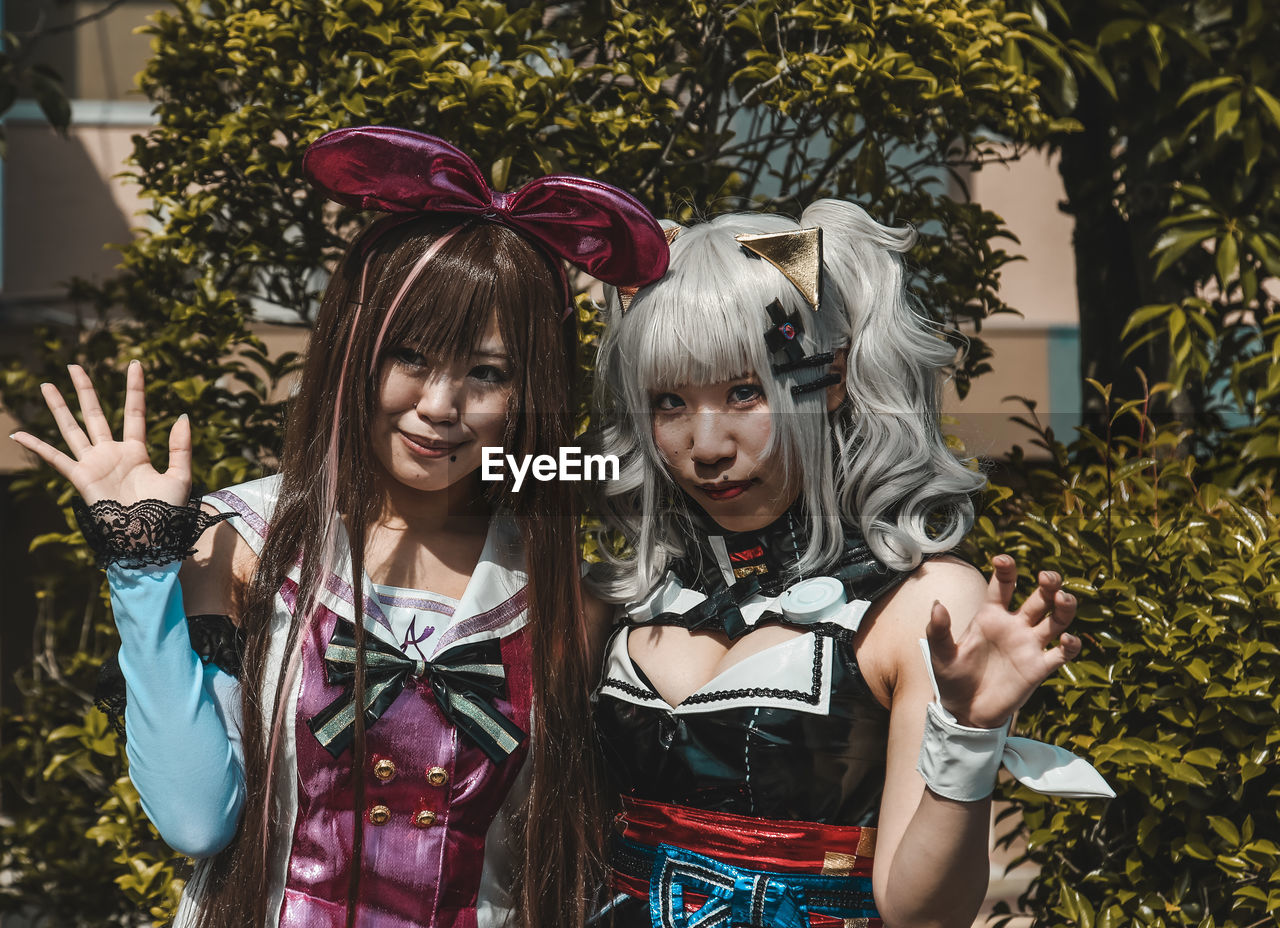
594, 226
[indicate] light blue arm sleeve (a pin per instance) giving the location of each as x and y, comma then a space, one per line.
181, 717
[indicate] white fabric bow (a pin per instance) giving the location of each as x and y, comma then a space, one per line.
954, 763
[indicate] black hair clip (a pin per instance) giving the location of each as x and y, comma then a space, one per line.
813, 360
826, 380
782, 338
784, 345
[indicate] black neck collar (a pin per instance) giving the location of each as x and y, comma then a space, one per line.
715, 559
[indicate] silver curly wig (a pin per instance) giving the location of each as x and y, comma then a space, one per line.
879, 461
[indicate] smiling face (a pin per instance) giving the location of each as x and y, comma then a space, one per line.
433, 421
716, 442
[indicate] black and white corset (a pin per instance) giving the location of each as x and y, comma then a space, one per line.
790, 732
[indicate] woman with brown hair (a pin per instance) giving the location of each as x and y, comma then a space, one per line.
403, 625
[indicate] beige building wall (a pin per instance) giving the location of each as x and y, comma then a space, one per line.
64, 203
64, 206
98, 56
1035, 355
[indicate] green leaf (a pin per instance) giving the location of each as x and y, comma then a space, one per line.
1144, 315
1226, 114
65, 731
1207, 85
1118, 30
1269, 103
1227, 260
1173, 245
52, 98
1204, 757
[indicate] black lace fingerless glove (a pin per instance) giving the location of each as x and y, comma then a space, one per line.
148, 533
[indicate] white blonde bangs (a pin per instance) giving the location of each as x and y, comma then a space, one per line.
683, 332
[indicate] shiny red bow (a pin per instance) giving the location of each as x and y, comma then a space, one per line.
592, 225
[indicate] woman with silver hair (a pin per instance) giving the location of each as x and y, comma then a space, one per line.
785, 756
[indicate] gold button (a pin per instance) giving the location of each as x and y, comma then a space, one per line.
384, 769
379, 815
437, 776
424, 818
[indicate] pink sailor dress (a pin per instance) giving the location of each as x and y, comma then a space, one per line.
437, 806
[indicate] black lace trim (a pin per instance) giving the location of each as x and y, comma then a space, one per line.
215, 639
149, 532
109, 695
630, 690
812, 697
831, 630
756, 692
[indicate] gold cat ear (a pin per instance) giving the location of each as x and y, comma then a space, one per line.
797, 254
627, 294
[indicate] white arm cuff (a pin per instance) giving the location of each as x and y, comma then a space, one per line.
961, 763
958, 762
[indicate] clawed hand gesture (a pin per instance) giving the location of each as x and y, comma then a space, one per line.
1002, 655
99, 466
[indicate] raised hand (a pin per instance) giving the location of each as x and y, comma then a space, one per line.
1002, 655
99, 466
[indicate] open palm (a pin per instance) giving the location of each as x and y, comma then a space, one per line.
99, 467
986, 674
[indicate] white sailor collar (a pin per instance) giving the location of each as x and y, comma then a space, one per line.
793, 674
494, 604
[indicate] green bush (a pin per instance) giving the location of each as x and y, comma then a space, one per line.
1175, 695
79, 841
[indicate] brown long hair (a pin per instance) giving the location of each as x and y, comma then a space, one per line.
441, 304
